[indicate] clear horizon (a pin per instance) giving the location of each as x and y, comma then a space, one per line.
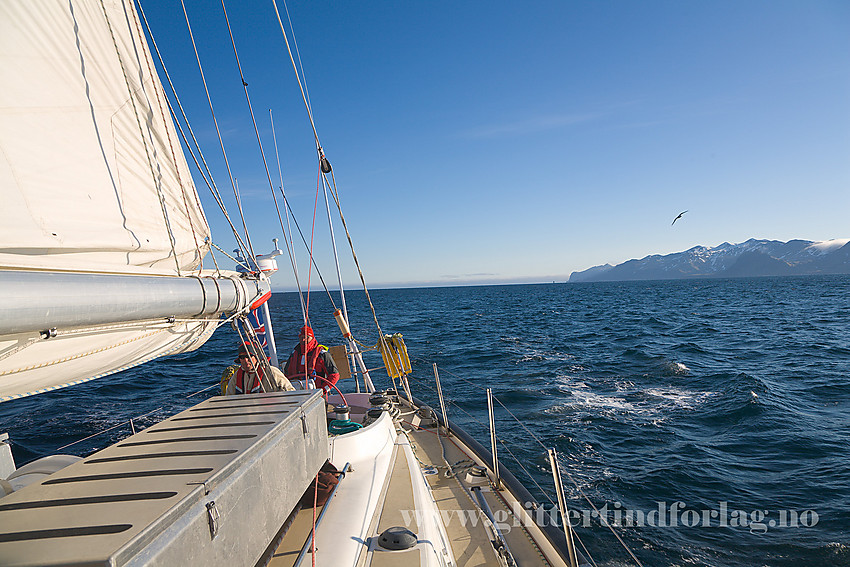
483, 143
558, 279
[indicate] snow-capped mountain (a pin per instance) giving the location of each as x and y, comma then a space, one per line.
750, 258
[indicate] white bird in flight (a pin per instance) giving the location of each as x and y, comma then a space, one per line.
677, 218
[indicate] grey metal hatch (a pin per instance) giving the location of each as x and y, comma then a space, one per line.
212, 485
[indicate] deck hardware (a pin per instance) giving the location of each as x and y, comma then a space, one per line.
562, 506
392, 395
212, 516
375, 413
378, 400
499, 544
200, 483
426, 417
442, 402
497, 481
476, 475
304, 422
397, 538
305, 549
342, 412
48, 333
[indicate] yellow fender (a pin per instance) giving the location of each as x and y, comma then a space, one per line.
226, 376
401, 350
394, 353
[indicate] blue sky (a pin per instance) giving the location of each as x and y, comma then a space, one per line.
488, 142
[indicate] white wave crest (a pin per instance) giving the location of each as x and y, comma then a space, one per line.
679, 398
679, 368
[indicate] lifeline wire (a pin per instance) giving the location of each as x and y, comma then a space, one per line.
586, 498
518, 462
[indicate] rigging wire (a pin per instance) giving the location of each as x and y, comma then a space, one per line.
215, 122
333, 246
298, 77
324, 183
298, 53
325, 167
205, 171
307, 247
312, 235
256, 347
287, 234
259, 139
335, 194
242, 216
174, 160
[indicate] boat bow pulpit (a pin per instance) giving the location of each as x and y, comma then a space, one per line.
210, 486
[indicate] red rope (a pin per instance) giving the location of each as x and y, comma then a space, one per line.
340, 394
315, 505
312, 234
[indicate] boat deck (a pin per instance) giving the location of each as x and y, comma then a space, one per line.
416, 458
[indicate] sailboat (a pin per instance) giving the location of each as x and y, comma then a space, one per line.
101, 269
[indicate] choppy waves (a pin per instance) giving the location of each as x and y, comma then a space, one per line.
698, 392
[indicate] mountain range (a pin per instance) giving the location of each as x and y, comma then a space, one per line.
747, 259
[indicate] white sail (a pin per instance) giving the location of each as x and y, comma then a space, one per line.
97, 199
92, 176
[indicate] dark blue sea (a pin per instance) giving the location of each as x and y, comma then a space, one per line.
714, 414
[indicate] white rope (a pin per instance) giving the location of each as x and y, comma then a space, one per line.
237, 262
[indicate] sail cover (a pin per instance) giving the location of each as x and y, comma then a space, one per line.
92, 176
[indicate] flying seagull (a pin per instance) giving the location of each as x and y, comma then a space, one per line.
677, 218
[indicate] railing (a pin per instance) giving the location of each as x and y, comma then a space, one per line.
131, 422
496, 443
560, 500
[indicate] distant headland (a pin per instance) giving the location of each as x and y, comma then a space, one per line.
748, 259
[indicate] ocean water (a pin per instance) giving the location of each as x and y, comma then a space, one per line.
715, 414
